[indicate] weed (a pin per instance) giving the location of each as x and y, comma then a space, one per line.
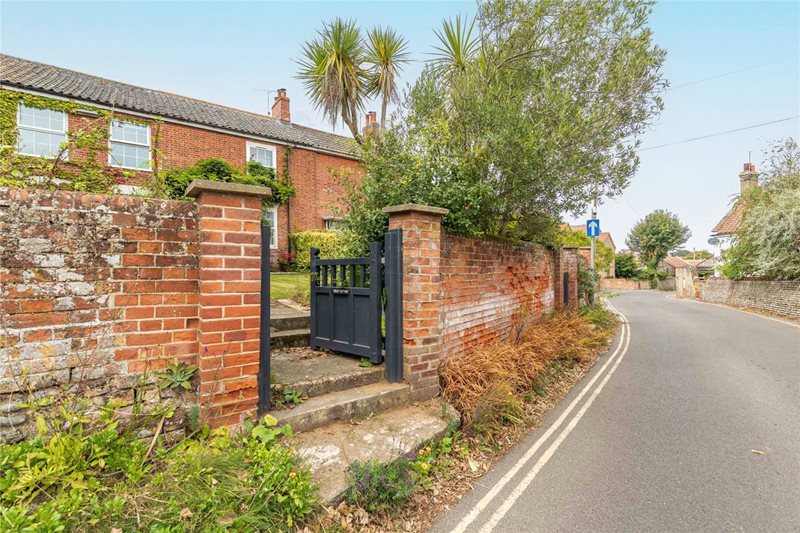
71, 479
380, 487
292, 397
177, 375
365, 363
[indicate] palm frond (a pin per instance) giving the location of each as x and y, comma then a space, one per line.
332, 73
457, 46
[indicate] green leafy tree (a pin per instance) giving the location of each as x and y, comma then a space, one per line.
626, 266
657, 234
603, 257
767, 242
519, 118
692, 254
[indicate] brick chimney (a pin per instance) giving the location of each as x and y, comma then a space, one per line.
280, 107
371, 124
748, 178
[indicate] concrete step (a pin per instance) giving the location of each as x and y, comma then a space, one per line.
290, 337
314, 373
344, 405
287, 322
385, 437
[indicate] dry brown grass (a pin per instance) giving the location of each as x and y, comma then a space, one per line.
470, 380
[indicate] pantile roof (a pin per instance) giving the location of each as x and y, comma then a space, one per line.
731, 221
24, 74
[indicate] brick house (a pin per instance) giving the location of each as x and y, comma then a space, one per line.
729, 223
187, 130
606, 239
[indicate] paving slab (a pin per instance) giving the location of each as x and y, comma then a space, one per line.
330, 450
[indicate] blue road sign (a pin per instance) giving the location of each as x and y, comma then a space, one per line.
593, 227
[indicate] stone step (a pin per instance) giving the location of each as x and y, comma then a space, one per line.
314, 373
287, 322
344, 405
385, 437
290, 337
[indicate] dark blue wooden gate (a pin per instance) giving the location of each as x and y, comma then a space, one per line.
347, 304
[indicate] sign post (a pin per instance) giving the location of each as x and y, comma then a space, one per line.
592, 231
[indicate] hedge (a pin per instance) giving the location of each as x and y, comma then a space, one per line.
330, 244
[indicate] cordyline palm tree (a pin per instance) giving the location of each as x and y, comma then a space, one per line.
332, 72
340, 70
458, 48
386, 54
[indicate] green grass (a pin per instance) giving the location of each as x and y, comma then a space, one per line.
288, 285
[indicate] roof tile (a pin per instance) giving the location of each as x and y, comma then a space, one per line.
31, 75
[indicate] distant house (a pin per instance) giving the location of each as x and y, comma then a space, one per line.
702, 267
670, 263
724, 230
186, 130
605, 238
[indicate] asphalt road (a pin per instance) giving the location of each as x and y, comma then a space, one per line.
661, 436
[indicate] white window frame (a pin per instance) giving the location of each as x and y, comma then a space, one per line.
273, 240
64, 121
111, 161
269, 147
333, 223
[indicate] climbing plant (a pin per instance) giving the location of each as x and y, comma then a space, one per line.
89, 172
174, 182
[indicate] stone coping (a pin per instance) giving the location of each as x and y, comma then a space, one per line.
418, 208
222, 187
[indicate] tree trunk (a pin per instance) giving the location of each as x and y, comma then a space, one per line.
384, 104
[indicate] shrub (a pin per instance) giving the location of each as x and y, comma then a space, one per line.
330, 243
173, 183
626, 266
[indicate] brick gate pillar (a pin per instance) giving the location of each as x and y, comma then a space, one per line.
422, 294
229, 221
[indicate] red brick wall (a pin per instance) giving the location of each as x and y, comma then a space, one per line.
488, 287
102, 290
459, 292
98, 284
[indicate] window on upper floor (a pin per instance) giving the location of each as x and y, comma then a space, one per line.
334, 224
261, 153
129, 145
40, 131
269, 215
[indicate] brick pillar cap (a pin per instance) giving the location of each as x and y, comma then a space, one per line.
198, 186
417, 208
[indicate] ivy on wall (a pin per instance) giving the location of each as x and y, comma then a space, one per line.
88, 173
